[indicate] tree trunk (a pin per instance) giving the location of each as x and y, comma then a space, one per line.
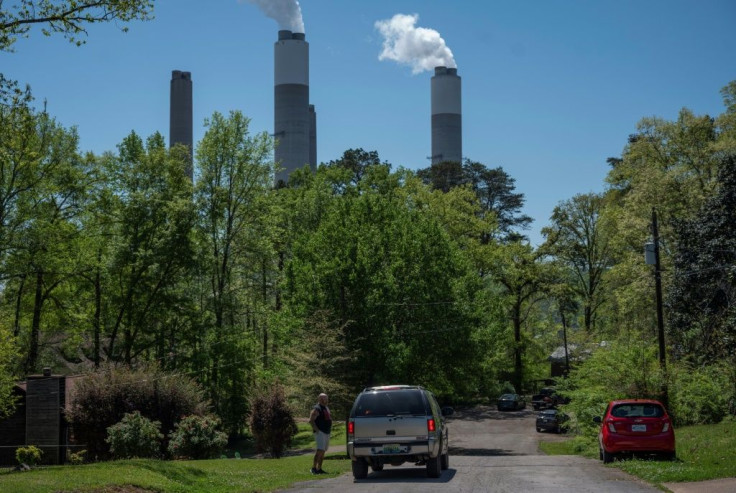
96, 320
35, 325
518, 366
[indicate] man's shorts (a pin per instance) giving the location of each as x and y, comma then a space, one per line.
323, 440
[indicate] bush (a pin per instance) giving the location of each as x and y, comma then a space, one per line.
699, 395
101, 399
135, 436
197, 437
30, 455
272, 421
77, 458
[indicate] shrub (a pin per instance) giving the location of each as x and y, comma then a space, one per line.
272, 421
197, 437
101, 399
135, 436
699, 395
77, 458
30, 455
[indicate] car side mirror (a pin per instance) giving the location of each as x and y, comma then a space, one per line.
447, 411
597, 419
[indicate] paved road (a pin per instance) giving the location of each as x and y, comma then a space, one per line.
492, 452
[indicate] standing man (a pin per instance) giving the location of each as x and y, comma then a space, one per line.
321, 422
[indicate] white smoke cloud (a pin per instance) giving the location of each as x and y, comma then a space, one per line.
421, 48
287, 13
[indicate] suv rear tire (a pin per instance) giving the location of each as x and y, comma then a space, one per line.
434, 467
360, 469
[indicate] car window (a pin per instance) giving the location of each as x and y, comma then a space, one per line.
549, 412
637, 411
391, 403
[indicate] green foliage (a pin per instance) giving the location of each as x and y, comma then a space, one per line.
621, 369
702, 394
8, 352
101, 399
30, 455
700, 302
78, 458
134, 436
197, 437
205, 476
69, 18
237, 261
272, 421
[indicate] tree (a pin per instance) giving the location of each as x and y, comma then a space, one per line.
518, 269
386, 269
68, 17
236, 179
700, 300
579, 239
494, 189
151, 210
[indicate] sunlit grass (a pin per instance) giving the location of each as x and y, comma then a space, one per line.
703, 452
211, 476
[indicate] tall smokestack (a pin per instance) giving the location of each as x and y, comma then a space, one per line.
292, 117
180, 112
447, 124
312, 137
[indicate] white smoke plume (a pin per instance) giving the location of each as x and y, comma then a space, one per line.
287, 13
421, 48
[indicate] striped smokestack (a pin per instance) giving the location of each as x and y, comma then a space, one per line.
447, 128
180, 112
292, 116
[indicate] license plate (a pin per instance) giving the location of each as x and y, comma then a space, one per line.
638, 427
391, 448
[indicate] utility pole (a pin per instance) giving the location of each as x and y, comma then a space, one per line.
660, 316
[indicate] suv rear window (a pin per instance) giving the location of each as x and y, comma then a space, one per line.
391, 403
637, 411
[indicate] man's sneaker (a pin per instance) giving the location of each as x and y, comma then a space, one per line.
314, 471
320, 471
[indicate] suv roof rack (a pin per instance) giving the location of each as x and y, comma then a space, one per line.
392, 387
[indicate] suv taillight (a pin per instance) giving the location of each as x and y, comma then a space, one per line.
666, 427
351, 427
430, 425
611, 428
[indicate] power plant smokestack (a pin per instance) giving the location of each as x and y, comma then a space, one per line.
447, 124
180, 112
292, 117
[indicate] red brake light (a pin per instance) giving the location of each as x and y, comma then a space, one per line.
351, 427
430, 425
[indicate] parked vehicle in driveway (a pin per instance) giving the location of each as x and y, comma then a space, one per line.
544, 399
551, 420
511, 402
635, 425
396, 424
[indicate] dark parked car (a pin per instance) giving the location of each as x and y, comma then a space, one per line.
511, 402
635, 425
551, 420
544, 399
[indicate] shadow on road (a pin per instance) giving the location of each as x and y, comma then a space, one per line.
406, 475
483, 452
484, 413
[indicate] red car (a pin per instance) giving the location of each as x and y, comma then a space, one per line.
635, 425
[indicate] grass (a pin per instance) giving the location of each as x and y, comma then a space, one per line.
703, 452
211, 476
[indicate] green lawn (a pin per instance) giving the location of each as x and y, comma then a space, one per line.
703, 452
211, 476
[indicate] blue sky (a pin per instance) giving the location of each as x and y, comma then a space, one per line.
550, 88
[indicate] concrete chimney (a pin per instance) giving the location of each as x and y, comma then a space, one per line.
292, 118
447, 127
180, 113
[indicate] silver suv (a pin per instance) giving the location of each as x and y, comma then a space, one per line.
396, 424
